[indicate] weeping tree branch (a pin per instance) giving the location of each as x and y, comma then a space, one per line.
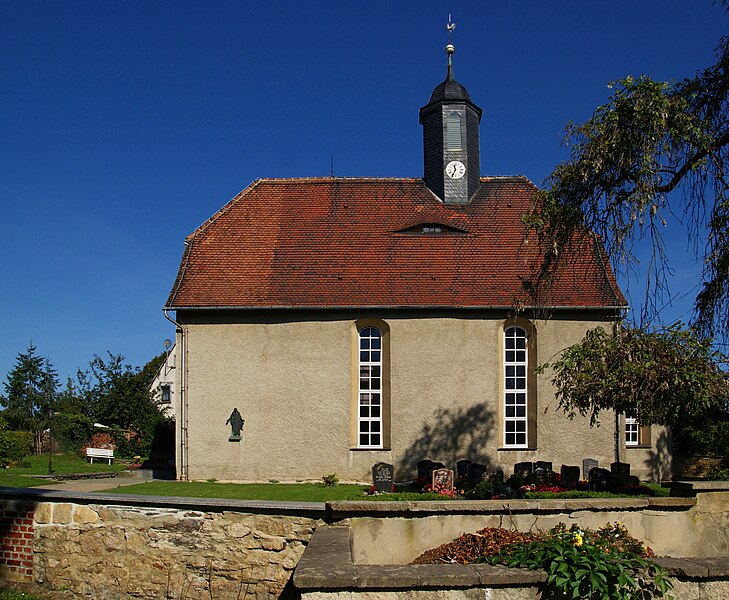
655, 154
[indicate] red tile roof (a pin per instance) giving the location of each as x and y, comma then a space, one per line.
341, 242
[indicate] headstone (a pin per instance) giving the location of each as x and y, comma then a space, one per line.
382, 477
570, 476
475, 472
620, 469
600, 480
542, 464
496, 476
633, 481
588, 465
443, 478
540, 475
462, 468
523, 468
424, 468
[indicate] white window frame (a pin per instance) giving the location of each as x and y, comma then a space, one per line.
632, 431
369, 396
515, 399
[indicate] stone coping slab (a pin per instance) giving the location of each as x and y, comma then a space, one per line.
349, 508
316, 510
327, 565
691, 488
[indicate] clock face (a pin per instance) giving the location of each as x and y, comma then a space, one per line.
455, 169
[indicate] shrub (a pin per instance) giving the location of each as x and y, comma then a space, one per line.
330, 480
72, 430
604, 564
14, 446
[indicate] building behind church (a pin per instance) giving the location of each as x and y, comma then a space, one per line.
355, 320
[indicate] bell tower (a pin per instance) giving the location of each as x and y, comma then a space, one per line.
450, 123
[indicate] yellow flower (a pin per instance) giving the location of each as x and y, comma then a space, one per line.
577, 541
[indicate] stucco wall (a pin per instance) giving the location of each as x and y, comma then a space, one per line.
671, 526
292, 381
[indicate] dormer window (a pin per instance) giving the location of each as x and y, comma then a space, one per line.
432, 229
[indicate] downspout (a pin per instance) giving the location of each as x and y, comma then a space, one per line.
616, 331
182, 475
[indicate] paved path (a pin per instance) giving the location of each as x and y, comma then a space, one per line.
91, 485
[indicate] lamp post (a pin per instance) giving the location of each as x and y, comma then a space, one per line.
50, 443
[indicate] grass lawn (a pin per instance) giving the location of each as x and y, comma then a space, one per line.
63, 464
301, 492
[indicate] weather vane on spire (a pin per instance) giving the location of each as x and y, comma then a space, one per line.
450, 48
450, 26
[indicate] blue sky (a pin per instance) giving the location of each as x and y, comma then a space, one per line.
124, 125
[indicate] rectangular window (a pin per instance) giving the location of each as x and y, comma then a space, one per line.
515, 388
370, 388
632, 431
165, 393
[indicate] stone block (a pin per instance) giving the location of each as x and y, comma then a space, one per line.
237, 530
62, 513
83, 515
43, 513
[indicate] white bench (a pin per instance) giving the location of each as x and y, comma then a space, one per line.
104, 453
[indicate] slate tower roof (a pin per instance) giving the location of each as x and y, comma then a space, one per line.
451, 146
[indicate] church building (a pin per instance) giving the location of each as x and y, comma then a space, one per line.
326, 324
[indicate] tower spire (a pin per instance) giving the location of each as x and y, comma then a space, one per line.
450, 48
450, 137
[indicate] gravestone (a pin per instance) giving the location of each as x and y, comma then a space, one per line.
496, 476
475, 472
523, 468
424, 468
383, 477
543, 464
443, 478
600, 480
620, 469
570, 476
462, 468
540, 475
588, 465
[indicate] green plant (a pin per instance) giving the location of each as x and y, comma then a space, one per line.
718, 474
330, 480
72, 430
607, 564
14, 446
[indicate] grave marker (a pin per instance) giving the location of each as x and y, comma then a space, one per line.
588, 465
475, 472
443, 478
462, 467
570, 475
383, 477
523, 468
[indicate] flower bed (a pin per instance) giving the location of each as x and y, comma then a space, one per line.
580, 563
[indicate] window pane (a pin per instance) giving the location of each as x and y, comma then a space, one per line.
375, 439
364, 411
376, 343
363, 439
374, 411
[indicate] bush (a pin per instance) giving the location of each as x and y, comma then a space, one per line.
72, 430
14, 446
708, 438
330, 480
604, 564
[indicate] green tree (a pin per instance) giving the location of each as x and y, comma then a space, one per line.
668, 376
118, 395
30, 391
657, 152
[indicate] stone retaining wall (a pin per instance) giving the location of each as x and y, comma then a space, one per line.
110, 547
113, 546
